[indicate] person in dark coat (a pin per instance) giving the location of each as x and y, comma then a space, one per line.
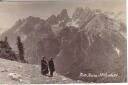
44, 66
51, 67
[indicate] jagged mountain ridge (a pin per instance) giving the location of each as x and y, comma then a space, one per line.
75, 41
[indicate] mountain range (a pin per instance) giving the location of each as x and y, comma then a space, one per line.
87, 42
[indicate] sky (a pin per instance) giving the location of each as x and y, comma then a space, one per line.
10, 12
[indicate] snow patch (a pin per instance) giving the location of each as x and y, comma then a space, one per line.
15, 76
124, 34
23, 36
17, 30
62, 21
118, 51
63, 78
73, 23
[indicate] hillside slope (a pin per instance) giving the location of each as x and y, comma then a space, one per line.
29, 74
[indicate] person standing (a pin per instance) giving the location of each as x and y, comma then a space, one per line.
44, 66
51, 67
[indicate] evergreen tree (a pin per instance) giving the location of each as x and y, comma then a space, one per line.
6, 39
21, 49
6, 45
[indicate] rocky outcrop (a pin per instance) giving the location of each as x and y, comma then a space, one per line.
52, 20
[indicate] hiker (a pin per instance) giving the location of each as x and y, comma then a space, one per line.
44, 66
51, 67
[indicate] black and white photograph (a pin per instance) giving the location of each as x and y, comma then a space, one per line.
63, 42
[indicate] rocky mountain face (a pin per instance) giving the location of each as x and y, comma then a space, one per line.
87, 42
